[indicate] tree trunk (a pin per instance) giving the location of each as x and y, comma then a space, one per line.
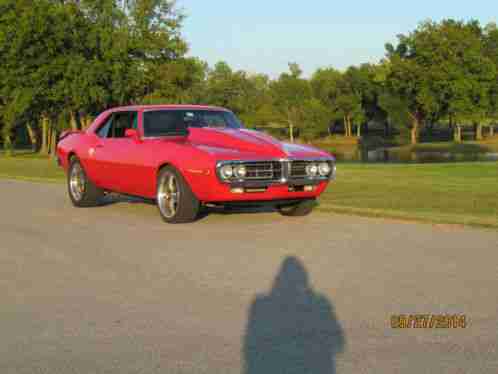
358, 130
478, 128
86, 121
44, 143
72, 121
457, 133
78, 121
53, 142
414, 132
7, 141
347, 126
492, 130
49, 139
291, 131
33, 137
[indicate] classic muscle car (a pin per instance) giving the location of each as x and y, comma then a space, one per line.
186, 157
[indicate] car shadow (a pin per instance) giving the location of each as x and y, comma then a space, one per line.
240, 209
205, 211
292, 329
115, 198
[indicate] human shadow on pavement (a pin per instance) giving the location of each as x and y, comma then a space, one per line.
293, 329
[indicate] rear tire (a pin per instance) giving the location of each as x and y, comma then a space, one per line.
175, 200
303, 208
82, 192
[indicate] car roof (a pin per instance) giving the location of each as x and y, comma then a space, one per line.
166, 106
109, 111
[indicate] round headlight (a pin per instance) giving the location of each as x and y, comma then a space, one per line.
240, 171
226, 171
324, 169
312, 170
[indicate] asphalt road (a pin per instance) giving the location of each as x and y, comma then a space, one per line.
114, 290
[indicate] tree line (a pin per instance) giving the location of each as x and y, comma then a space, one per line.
64, 61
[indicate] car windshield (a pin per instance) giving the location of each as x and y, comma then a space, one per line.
174, 122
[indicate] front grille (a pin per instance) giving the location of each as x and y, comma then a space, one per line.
270, 172
264, 170
298, 169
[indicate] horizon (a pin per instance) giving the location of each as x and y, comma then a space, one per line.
249, 40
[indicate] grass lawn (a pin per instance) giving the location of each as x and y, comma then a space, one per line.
460, 193
30, 167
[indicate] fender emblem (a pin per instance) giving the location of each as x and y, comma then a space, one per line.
197, 171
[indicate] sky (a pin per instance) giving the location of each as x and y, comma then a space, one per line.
263, 36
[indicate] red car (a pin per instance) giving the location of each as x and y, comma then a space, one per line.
186, 157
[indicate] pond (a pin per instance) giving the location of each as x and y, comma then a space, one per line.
385, 155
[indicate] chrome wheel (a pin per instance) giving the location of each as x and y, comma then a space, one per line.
168, 195
77, 182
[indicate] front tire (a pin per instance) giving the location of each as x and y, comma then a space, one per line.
82, 192
175, 200
303, 208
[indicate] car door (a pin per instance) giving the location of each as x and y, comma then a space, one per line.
116, 155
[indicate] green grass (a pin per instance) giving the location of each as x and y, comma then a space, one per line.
457, 193
28, 166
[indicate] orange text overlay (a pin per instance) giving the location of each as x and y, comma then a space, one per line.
428, 321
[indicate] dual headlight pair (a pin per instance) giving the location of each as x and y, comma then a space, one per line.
321, 169
313, 169
233, 171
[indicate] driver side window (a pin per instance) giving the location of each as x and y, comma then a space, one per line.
103, 131
116, 125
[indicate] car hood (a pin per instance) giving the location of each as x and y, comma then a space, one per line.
247, 144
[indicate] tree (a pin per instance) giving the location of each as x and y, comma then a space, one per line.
316, 118
179, 81
366, 84
408, 83
33, 40
439, 70
491, 51
325, 86
65, 61
290, 93
343, 93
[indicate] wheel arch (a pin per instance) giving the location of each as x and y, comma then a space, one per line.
189, 178
164, 165
70, 156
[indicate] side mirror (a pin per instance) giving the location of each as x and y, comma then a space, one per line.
131, 133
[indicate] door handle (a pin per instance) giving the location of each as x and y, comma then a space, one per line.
99, 146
